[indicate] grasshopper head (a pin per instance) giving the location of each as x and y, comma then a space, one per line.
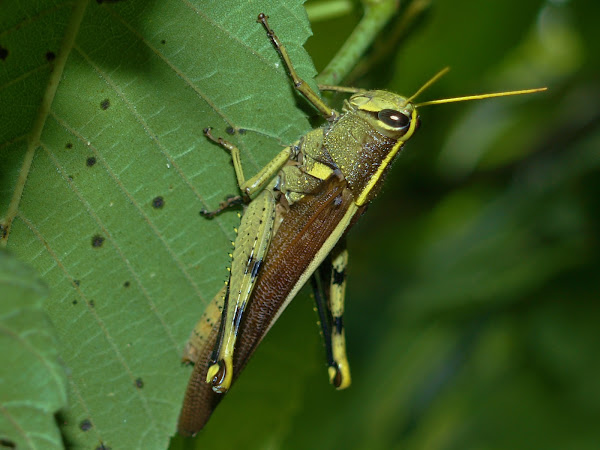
390, 114
375, 126
365, 140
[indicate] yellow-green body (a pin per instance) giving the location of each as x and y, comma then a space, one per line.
356, 147
306, 199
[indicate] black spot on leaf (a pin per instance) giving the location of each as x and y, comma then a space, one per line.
69, 145
85, 425
90, 161
50, 56
6, 443
105, 104
158, 202
139, 383
97, 241
3, 53
126, 284
229, 130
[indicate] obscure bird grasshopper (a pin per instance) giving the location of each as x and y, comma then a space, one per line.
307, 198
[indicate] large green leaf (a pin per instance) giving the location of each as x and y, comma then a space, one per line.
105, 169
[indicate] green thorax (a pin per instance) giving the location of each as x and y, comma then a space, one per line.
366, 138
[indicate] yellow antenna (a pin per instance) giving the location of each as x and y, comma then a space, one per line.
466, 98
437, 76
480, 96
432, 80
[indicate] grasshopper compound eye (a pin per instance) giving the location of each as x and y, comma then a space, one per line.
393, 118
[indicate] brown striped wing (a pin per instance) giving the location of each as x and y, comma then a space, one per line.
305, 229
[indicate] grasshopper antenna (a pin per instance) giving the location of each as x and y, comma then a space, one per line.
480, 96
428, 83
465, 98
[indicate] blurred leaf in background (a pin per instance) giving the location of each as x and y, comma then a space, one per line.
472, 301
473, 297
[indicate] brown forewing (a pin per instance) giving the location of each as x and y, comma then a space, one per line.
304, 230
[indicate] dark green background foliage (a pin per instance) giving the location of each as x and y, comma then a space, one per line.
472, 302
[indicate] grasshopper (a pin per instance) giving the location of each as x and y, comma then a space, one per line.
305, 201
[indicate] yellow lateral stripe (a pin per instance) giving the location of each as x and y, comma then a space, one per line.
362, 198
